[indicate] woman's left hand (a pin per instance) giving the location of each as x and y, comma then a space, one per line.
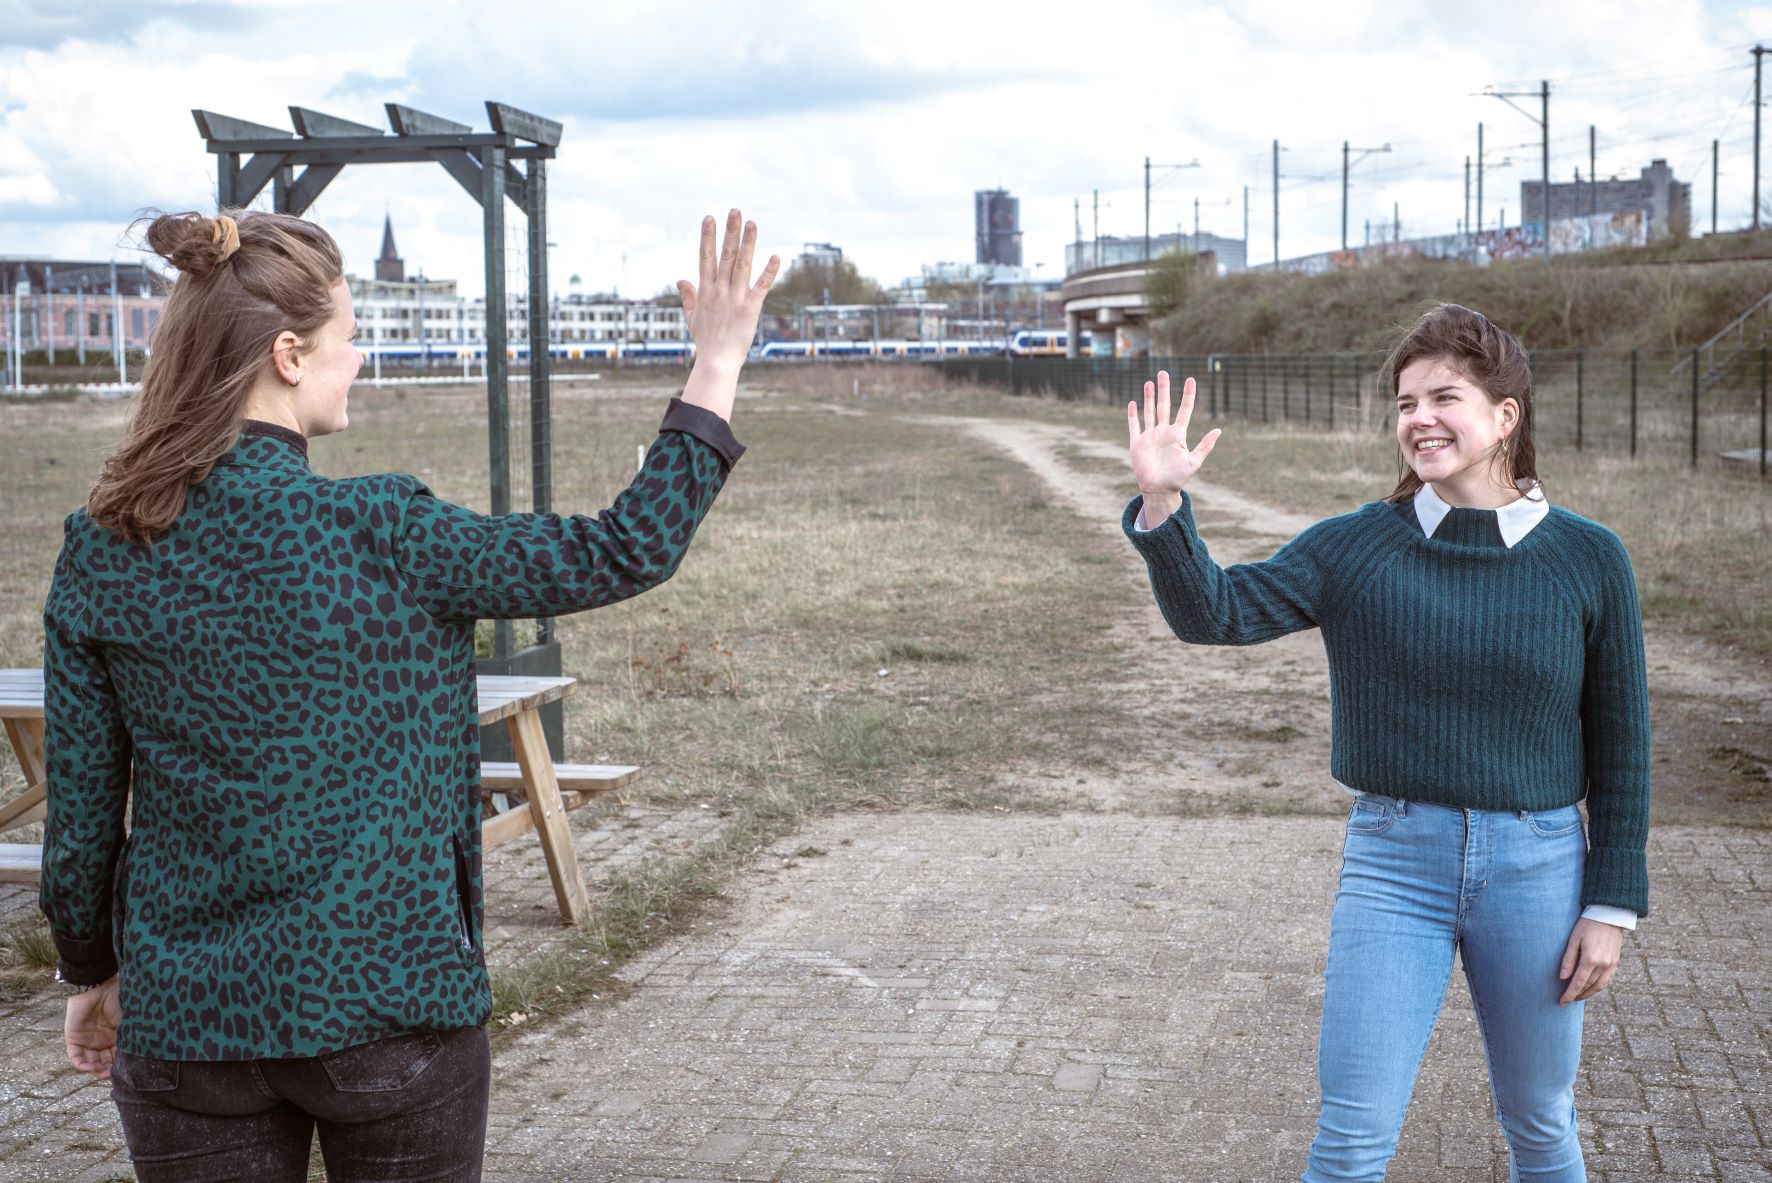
91, 1029
1590, 960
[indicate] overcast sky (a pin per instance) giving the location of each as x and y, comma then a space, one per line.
869, 125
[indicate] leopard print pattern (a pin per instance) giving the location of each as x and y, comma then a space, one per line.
289, 673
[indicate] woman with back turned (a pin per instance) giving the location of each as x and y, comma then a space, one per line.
288, 939
1486, 675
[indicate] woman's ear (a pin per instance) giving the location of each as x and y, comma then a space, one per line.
284, 358
1510, 417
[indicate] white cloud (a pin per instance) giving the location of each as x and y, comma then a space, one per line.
870, 126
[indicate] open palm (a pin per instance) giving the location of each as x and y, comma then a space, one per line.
1162, 462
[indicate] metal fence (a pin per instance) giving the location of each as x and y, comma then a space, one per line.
1644, 403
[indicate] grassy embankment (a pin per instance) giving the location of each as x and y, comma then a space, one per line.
1672, 295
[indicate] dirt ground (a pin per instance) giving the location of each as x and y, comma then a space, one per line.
1247, 729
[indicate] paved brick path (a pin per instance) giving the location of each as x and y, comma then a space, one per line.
56, 1124
1103, 998
1084, 998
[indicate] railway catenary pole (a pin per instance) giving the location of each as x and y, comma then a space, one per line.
1479, 177
1543, 122
1276, 205
1758, 52
1713, 186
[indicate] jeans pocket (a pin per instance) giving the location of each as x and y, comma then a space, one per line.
385, 1066
144, 1074
1555, 823
1370, 815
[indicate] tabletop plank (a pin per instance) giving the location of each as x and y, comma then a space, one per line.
500, 696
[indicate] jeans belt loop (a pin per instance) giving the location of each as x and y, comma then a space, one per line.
1525, 815
1402, 808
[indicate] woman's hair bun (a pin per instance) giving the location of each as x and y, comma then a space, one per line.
194, 243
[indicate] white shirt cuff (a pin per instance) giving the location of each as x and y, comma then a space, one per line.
1606, 914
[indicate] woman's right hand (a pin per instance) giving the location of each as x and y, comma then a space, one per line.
1162, 463
722, 312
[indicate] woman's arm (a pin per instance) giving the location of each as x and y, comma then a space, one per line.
1615, 738
1204, 603
463, 565
87, 757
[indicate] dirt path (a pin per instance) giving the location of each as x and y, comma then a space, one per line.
1199, 729
1262, 716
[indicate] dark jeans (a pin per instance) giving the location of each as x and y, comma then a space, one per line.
408, 1108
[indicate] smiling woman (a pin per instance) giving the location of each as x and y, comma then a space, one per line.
1486, 677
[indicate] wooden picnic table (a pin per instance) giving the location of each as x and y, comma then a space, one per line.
547, 789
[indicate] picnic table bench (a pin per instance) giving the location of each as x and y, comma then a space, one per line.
535, 791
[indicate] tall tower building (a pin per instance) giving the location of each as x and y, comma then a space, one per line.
996, 219
390, 267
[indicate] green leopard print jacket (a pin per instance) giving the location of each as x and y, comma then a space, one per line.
289, 670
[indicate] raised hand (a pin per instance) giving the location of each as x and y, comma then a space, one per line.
1162, 462
722, 311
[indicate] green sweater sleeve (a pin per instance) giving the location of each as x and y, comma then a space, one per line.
87, 760
1243, 604
1615, 734
464, 565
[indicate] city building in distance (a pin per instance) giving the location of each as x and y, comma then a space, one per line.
996, 221
1667, 203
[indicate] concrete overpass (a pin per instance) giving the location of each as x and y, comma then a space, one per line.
1108, 302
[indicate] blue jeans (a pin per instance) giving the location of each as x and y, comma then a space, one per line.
1418, 881
408, 1108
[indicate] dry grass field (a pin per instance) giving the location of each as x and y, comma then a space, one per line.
884, 612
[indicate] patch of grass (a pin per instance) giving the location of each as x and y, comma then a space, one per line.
918, 651
1284, 733
27, 947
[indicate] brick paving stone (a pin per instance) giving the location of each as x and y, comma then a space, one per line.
994, 998
1115, 1041
58, 1124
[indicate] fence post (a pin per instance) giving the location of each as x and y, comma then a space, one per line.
1264, 383
1331, 399
1695, 408
1307, 390
1763, 354
1580, 367
1633, 404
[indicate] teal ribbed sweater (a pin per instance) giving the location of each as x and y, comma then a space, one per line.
1461, 671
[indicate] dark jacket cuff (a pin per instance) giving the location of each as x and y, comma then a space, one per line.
86, 962
705, 426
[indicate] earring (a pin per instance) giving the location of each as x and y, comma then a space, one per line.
297, 381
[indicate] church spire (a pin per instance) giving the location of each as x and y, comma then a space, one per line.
390, 267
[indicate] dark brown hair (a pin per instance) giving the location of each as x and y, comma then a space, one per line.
244, 279
1491, 360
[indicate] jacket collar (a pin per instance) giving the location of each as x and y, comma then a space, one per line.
266, 445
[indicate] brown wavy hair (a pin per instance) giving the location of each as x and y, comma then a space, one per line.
243, 279
1488, 357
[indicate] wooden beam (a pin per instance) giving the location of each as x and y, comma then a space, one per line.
410, 121
225, 127
307, 187
20, 862
550, 814
313, 124
525, 126
32, 805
